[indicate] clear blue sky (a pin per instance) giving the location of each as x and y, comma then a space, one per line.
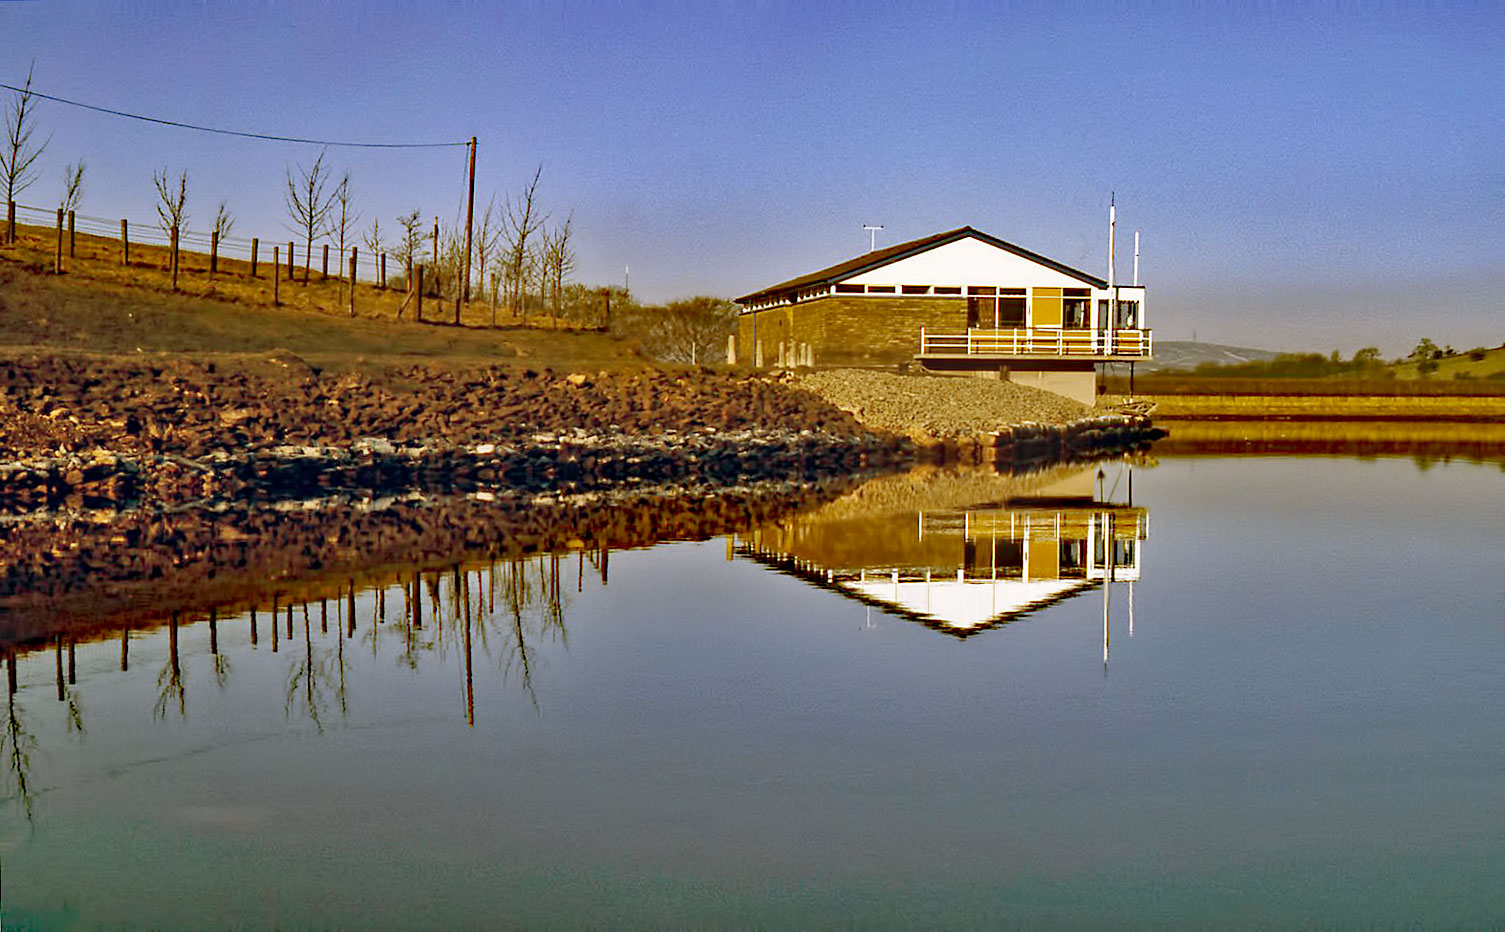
1315, 176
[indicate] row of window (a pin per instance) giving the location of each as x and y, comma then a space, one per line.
971, 290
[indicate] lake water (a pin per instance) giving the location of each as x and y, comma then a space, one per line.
1293, 717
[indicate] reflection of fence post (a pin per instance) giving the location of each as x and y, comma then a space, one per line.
213, 253
255, 245
276, 276
173, 259
57, 253
324, 271
125, 244
72, 235
354, 255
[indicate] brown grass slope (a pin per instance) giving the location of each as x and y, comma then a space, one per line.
99, 306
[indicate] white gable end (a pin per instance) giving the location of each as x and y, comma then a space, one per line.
967, 261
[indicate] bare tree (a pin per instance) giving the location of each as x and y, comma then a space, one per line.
558, 263
172, 201
372, 239
522, 219
224, 221
412, 240
343, 216
488, 247
73, 186
18, 157
309, 205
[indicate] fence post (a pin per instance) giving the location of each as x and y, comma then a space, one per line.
10, 222
291, 271
173, 259
324, 272
125, 244
255, 245
72, 243
354, 256
213, 253
276, 277
57, 254
381, 279
418, 293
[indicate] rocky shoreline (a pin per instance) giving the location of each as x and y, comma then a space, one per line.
80, 432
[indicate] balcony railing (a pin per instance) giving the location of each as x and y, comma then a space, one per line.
1037, 341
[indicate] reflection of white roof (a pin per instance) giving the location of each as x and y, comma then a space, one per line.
963, 604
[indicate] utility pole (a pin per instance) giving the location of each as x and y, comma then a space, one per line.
470, 209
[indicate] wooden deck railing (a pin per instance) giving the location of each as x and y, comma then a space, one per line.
1037, 341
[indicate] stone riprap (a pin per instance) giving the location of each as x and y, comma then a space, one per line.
930, 408
83, 431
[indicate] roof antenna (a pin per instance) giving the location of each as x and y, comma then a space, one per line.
872, 235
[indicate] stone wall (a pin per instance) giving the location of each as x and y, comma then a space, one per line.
852, 329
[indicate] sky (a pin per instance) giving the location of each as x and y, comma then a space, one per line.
1311, 176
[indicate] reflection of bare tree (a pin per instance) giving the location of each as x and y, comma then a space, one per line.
534, 606
17, 743
305, 681
170, 681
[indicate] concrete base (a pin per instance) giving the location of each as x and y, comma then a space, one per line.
1078, 386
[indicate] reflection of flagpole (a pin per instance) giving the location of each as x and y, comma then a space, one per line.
1131, 608
1106, 589
1107, 578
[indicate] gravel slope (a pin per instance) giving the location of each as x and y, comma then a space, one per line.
928, 406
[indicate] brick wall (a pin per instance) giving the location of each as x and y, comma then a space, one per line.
852, 330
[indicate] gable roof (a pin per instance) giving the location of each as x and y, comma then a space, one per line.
881, 257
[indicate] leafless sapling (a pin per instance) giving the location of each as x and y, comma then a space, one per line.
18, 157
73, 186
522, 219
309, 205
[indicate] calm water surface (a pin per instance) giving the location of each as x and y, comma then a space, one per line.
1295, 719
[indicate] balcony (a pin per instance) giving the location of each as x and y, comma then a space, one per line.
1037, 343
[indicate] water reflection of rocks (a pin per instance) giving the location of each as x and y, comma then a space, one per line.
966, 551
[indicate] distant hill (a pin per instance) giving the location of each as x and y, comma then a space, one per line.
1185, 354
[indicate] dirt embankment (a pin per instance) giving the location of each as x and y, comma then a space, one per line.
927, 408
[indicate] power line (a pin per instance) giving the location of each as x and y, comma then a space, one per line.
231, 132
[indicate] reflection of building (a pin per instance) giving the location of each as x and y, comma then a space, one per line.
965, 569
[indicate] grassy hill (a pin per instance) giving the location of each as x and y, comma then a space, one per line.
100, 306
1474, 364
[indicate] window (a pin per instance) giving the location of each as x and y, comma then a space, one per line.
1011, 312
849, 289
948, 289
1074, 312
880, 289
1128, 315
981, 290
1076, 293
914, 289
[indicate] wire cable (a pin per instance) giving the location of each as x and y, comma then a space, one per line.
231, 132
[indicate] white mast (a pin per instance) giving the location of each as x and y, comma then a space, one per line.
1136, 258
1112, 230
